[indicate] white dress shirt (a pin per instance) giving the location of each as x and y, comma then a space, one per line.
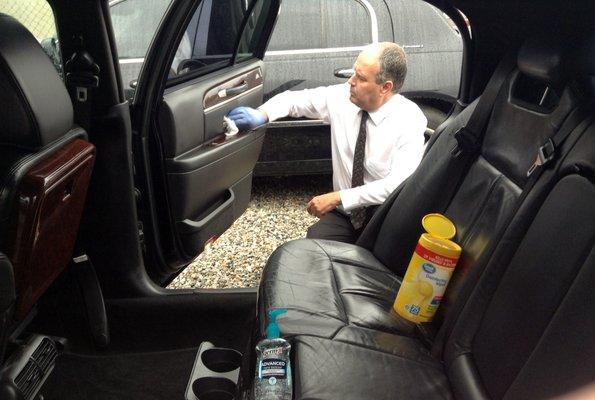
394, 140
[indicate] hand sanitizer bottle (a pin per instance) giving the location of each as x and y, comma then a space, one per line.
272, 380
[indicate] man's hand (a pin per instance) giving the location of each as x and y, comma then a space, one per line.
247, 118
324, 203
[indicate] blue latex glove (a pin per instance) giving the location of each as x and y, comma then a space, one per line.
247, 118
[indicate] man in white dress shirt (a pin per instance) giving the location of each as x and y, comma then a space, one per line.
377, 137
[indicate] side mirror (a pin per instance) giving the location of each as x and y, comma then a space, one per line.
344, 73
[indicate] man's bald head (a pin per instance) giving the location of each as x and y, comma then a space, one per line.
379, 72
392, 63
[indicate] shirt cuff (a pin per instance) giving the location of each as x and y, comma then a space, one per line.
350, 198
274, 113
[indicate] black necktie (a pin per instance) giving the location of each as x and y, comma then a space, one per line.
358, 215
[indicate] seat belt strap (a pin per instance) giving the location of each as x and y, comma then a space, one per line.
469, 137
82, 76
547, 152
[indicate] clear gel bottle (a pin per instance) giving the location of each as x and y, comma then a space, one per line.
272, 380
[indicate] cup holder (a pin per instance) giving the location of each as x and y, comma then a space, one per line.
214, 388
214, 374
221, 359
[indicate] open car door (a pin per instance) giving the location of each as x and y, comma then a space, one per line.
194, 181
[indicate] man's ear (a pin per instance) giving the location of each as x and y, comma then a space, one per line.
387, 87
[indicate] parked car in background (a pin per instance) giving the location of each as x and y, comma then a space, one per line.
331, 35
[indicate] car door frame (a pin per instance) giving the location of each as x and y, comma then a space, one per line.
149, 164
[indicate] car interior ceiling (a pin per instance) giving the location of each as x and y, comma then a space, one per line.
121, 336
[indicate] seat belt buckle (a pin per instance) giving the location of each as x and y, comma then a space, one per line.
545, 155
466, 142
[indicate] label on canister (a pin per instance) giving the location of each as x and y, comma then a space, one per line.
427, 276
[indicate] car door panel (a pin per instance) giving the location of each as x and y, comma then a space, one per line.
208, 175
205, 202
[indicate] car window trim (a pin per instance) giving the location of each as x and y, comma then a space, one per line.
311, 51
115, 2
131, 60
373, 19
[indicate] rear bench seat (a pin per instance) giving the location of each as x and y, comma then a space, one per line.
522, 282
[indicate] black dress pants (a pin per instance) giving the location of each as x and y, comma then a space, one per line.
336, 225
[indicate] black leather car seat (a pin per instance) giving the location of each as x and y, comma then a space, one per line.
348, 343
45, 165
485, 199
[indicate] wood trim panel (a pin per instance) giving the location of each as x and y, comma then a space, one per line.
50, 200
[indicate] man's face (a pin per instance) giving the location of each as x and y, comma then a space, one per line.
364, 91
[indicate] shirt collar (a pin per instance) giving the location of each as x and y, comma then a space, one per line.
384, 111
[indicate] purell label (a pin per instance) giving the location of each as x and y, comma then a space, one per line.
273, 367
274, 352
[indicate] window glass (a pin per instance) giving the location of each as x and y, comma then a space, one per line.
433, 44
211, 37
135, 23
253, 29
37, 16
318, 24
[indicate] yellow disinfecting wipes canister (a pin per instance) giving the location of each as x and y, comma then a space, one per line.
429, 270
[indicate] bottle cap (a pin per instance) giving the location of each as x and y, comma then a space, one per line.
273, 331
439, 226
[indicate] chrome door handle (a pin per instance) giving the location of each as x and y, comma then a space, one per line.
344, 72
234, 90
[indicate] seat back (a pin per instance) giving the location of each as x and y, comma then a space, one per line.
526, 330
486, 196
45, 165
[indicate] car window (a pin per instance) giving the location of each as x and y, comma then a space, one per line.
211, 36
216, 28
251, 37
135, 23
433, 44
321, 24
37, 16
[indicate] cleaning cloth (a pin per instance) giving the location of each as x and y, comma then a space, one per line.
230, 127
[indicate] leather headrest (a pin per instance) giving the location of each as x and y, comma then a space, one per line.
542, 59
35, 106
